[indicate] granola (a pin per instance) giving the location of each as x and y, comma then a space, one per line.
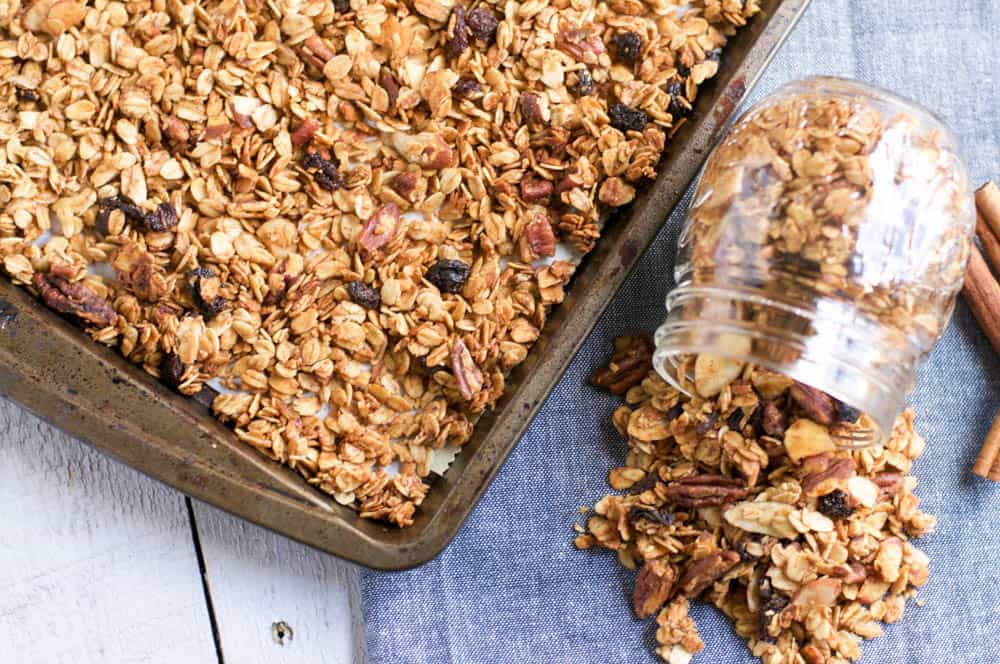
808, 553
344, 217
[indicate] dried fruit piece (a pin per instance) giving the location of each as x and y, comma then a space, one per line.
163, 218
458, 33
380, 229
846, 413
628, 366
625, 118
74, 298
172, 370
204, 286
653, 586
449, 275
703, 573
818, 405
662, 517
679, 106
324, 171
483, 25
581, 82
628, 46
466, 87
467, 374
364, 295
805, 438
26, 95
704, 491
835, 505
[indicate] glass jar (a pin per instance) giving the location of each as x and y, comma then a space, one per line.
827, 240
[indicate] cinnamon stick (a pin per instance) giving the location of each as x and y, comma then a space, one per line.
988, 462
990, 241
988, 204
982, 293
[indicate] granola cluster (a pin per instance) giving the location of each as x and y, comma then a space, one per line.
343, 215
741, 499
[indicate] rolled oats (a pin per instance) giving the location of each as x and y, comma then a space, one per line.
808, 554
344, 216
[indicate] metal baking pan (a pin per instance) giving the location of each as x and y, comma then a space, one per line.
48, 365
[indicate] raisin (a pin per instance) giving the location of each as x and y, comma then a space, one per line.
584, 83
679, 106
709, 422
448, 275
646, 483
625, 118
663, 517
342, 6
834, 505
172, 370
25, 94
163, 218
483, 25
465, 87
734, 420
714, 55
846, 413
674, 412
204, 288
324, 171
683, 71
458, 35
364, 295
629, 46
122, 202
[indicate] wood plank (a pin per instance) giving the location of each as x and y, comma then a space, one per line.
257, 579
97, 562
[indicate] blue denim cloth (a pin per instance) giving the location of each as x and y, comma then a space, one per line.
512, 588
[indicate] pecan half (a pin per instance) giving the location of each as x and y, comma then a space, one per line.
380, 229
530, 108
467, 374
817, 404
628, 366
652, 587
178, 134
889, 484
704, 491
703, 573
580, 44
74, 298
822, 470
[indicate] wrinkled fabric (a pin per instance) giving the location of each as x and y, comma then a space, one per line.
512, 588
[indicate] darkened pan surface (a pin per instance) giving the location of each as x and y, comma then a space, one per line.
49, 366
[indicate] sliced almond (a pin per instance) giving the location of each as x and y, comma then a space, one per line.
863, 490
713, 373
818, 594
805, 438
766, 518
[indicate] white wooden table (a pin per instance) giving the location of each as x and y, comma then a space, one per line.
100, 564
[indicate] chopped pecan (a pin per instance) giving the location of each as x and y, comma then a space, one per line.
178, 134
822, 470
405, 184
304, 132
535, 190
530, 108
703, 573
889, 484
217, 131
653, 586
616, 192
467, 374
74, 298
629, 365
318, 47
817, 404
705, 490
380, 229
772, 420
391, 85
540, 241
580, 44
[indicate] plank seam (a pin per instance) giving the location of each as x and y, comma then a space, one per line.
216, 638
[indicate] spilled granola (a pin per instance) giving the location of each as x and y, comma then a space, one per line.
344, 216
805, 547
